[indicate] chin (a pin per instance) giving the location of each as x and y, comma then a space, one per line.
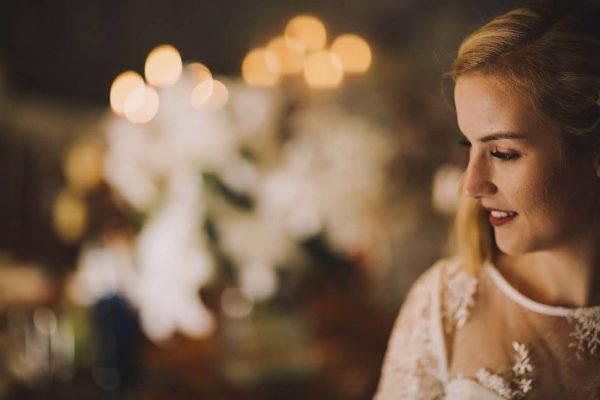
513, 245
509, 250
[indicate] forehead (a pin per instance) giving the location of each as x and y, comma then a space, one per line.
485, 105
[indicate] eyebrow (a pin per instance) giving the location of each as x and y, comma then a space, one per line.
502, 135
499, 136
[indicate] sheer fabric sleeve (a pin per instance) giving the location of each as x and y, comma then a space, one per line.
414, 364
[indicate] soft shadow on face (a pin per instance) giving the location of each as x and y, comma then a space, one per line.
519, 164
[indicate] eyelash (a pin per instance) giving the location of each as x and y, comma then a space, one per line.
508, 156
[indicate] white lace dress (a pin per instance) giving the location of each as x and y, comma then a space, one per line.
464, 337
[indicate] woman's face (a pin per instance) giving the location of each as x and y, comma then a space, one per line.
539, 194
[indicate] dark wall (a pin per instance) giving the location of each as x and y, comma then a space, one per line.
74, 48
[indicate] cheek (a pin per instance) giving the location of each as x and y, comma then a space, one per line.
536, 191
548, 198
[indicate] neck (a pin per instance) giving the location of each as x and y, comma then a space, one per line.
567, 277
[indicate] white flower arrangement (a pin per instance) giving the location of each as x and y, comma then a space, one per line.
263, 193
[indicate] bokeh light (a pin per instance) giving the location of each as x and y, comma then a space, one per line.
218, 97
163, 66
289, 52
142, 107
236, 303
45, 320
261, 68
123, 85
203, 90
259, 281
202, 93
199, 72
308, 30
354, 52
323, 70
83, 165
70, 216
445, 191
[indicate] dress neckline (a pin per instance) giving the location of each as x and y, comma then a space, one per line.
518, 297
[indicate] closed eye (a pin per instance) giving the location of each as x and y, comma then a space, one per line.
505, 156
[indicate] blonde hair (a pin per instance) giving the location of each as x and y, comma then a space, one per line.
550, 54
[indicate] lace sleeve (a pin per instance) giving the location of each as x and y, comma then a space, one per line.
412, 367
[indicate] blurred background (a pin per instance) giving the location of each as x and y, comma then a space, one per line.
219, 199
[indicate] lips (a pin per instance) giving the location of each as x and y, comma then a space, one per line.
500, 217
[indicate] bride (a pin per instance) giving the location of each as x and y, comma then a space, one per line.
516, 314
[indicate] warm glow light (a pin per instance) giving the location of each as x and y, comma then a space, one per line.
290, 54
218, 97
123, 85
307, 30
354, 52
202, 93
141, 109
261, 68
323, 70
446, 189
70, 216
163, 66
199, 72
83, 165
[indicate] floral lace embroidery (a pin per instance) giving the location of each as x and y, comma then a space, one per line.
587, 330
458, 297
422, 376
520, 382
494, 382
410, 369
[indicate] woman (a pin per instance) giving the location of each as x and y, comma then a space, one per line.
517, 313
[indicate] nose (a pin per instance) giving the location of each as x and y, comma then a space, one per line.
477, 180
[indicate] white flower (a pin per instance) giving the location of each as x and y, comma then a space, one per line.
587, 330
522, 364
525, 385
519, 383
494, 382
